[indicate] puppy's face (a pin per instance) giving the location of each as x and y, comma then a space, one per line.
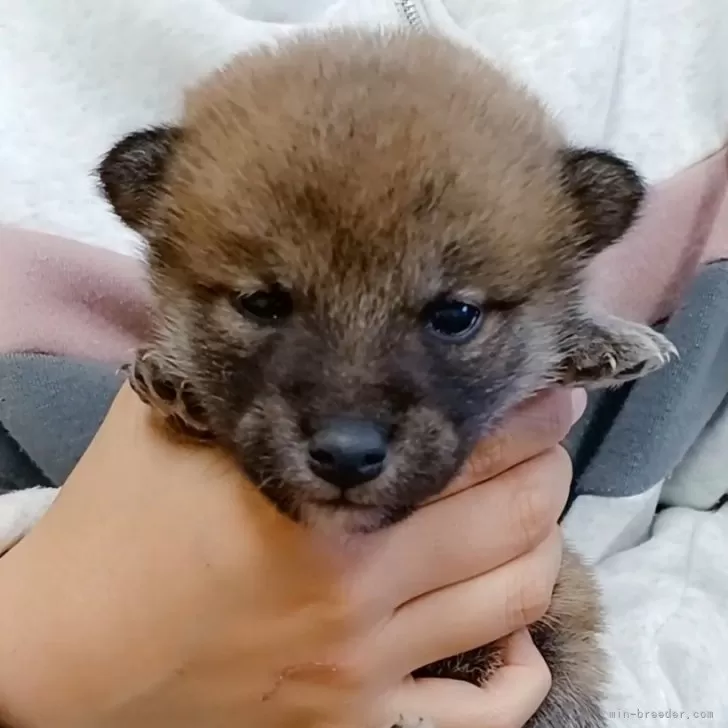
363, 251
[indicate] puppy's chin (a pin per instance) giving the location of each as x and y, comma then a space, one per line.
341, 519
373, 506
306, 499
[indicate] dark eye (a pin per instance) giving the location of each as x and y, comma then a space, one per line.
268, 307
451, 319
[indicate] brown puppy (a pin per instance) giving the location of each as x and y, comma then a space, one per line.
365, 249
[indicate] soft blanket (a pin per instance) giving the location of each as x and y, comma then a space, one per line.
643, 79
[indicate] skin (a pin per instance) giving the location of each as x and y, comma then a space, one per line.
123, 606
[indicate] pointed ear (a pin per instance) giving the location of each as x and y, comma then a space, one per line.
608, 192
132, 172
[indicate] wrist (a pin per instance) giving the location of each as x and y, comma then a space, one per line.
32, 664
56, 639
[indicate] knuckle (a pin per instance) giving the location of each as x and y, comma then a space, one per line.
533, 512
538, 687
558, 417
543, 680
479, 465
531, 597
561, 463
540, 682
548, 418
562, 471
489, 457
537, 600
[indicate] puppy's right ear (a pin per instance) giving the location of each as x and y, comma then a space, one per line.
608, 192
132, 172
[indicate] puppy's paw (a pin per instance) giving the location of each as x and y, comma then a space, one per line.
613, 351
168, 394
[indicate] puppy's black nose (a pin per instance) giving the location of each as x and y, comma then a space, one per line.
348, 452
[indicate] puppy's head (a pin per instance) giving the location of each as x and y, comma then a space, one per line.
364, 250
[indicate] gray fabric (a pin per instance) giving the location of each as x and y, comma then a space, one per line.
633, 437
50, 409
17, 470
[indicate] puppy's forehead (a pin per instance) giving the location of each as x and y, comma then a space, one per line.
406, 167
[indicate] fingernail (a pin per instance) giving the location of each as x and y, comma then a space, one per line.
578, 403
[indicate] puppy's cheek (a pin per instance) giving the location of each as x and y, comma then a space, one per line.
427, 454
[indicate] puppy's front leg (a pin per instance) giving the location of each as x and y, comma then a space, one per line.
609, 351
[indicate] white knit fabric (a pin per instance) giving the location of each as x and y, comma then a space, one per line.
646, 77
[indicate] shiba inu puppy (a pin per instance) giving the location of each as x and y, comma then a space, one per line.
364, 249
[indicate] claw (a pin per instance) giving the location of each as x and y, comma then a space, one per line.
611, 362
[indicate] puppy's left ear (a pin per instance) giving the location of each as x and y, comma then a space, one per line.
608, 192
131, 175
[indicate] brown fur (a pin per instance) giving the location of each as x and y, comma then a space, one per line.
368, 175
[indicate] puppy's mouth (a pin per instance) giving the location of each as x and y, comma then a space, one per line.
359, 509
339, 516
342, 502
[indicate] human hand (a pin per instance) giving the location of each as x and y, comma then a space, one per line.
163, 590
527, 476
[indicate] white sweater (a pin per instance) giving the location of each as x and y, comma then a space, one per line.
648, 78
